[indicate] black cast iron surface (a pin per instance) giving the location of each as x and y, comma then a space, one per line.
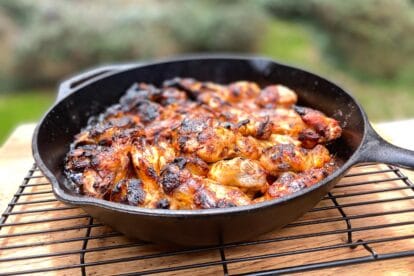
91, 95
41, 255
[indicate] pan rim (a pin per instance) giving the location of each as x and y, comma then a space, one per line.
85, 201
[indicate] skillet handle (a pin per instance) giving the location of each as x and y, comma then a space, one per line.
69, 85
376, 149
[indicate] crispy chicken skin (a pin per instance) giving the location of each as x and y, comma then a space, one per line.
245, 174
194, 145
287, 157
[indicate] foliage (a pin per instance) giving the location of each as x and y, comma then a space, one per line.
372, 37
63, 37
21, 11
382, 99
229, 27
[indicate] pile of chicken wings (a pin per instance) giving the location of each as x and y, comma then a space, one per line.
189, 144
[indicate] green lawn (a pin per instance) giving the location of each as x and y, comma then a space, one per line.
17, 108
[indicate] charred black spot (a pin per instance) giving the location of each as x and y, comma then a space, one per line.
151, 172
127, 134
300, 110
76, 178
263, 131
308, 134
228, 125
89, 147
103, 189
258, 194
135, 193
171, 95
147, 111
181, 84
193, 125
182, 140
223, 203
133, 95
295, 186
97, 130
276, 156
168, 101
119, 191
105, 142
80, 165
204, 136
163, 204
180, 162
279, 151
270, 178
170, 178
95, 161
112, 110
235, 90
243, 123
283, 166
117, 187
81, 143
205, 199
286, 178
123, 122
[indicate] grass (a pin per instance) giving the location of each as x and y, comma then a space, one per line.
297, 44
18, 108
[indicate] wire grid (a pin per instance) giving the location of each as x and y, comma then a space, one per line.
351, 225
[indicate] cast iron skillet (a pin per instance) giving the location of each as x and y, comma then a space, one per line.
92, 92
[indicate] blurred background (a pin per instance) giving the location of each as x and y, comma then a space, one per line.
365, 46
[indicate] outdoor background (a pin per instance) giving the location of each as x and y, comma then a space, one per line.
365, 46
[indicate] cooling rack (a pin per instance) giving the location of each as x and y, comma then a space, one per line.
367, 217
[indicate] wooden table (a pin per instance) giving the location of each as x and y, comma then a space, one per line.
15, 160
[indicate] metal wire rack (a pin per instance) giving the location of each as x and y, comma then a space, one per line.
367, 217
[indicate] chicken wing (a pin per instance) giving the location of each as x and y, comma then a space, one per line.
239, 172
288, 157
199, 136
322, 128
290, 182
95, 169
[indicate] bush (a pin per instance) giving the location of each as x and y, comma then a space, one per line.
8, 37
61, 41
21, 11
232, 26
63, 37
373, 37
